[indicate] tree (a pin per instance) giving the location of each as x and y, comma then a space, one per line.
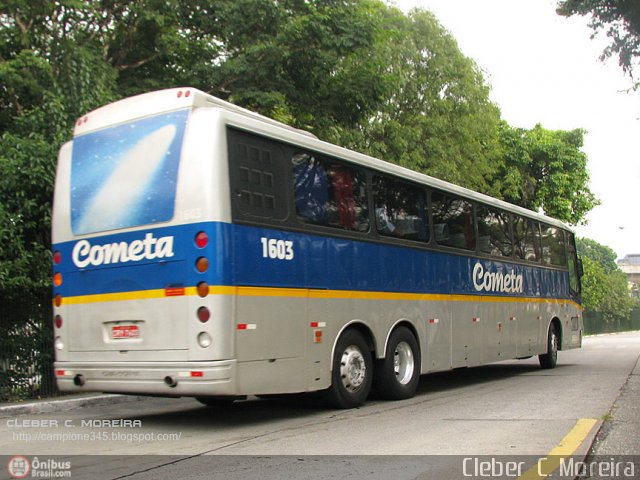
387, 84
438, 118
62, 58
601, 254
546, 170
621, 21
604, 285
594, 285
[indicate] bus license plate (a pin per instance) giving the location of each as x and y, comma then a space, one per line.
125, 331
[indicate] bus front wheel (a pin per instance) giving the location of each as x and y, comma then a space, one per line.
398, 374
351, 378
550, 359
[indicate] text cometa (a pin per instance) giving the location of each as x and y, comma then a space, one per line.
85, 254
488, 281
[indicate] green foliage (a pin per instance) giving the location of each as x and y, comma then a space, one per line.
437, 117
604, 285
594, 285
603, 255
358, 73
50, 77
620, 19
311, 64
546, 170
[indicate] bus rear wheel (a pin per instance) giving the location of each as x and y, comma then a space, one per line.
550, 359
398, 374
351, 377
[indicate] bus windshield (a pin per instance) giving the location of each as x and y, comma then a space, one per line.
125, 176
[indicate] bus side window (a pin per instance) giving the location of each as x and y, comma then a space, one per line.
553, 246
526, 237
573, 264
494, 232
329, 194
311, 188
342, 183
453, 221
400, 209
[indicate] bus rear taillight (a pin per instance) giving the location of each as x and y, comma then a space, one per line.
57, 257
204, 314
203, 289
57, 279
201, 240
57, 300
58, 321
202, 264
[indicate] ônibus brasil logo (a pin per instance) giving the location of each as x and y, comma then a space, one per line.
21, 467
18, 467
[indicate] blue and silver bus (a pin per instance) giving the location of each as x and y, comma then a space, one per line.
203, 250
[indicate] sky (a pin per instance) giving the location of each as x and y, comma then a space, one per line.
544, 68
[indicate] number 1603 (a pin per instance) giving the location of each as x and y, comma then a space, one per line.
277, 249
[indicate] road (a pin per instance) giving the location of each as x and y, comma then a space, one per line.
508, 410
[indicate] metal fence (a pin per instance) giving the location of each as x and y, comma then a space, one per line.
26, 345
595, 323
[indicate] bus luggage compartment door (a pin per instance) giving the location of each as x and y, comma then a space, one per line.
270, 328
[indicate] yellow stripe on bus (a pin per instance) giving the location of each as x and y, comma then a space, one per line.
308, 293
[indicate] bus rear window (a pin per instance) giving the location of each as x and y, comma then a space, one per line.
125, 176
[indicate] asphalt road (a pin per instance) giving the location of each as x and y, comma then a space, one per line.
500, 416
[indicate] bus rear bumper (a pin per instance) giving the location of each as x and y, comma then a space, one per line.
173, 379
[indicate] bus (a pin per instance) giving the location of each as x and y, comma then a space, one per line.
203, 250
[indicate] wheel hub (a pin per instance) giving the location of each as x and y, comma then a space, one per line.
352, 368
403, 363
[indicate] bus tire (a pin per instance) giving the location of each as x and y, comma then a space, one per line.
352, 373
550, 359
398, 374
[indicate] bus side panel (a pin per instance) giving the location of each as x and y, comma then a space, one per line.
270, 327
467, 334
436, 350
500, 330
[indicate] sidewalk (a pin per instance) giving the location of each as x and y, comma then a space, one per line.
620, 432
67, 402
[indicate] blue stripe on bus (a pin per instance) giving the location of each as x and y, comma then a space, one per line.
319, 262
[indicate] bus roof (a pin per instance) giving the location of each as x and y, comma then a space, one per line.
151, 103
148, 104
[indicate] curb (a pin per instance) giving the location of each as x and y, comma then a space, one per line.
46, 406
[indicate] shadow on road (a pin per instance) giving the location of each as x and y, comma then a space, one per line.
255, 411
464, 377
